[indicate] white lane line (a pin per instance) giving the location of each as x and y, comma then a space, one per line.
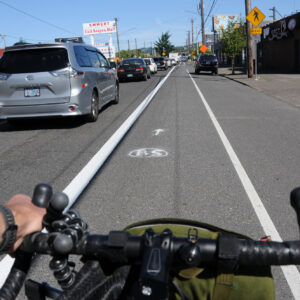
83, 178
291, 273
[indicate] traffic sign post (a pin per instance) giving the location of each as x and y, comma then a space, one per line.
255, 17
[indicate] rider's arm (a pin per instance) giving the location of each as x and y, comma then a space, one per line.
27, 217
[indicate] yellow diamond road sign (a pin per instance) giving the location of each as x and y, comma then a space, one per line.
255, 17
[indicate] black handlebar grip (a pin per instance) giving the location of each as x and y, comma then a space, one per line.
58, 202
41, 195
295, 202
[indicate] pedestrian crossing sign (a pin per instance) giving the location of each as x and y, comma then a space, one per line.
255, 17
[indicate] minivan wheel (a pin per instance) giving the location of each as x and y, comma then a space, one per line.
93, 115
117, 95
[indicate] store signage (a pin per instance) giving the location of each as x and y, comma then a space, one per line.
108, 52
280, 29
99, 27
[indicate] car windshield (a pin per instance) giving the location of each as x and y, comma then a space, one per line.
127, 62
34, 60
158, 58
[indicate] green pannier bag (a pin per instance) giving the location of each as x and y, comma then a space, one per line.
244, 283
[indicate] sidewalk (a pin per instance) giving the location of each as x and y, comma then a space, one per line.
285, 87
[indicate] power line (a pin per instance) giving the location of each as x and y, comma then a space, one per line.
210, 11
36, 18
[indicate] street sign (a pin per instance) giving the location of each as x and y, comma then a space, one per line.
255, 17
256, 30
203, 48
163, 53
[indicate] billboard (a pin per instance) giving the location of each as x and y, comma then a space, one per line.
221, 21
99, 27
108, 52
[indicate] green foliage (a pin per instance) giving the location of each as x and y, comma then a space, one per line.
130, 53
233, 40
21, 40
163, 44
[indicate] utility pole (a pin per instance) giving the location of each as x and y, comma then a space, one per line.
4, 40
136, 49
192, 20
249, 41
189, 42
116, 20
128, 46
202, 21
274, 13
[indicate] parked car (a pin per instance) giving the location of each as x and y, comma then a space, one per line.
133, 68
161, 63
169, 63
151, 63
173, 61
183, 58
207, 62
55, 80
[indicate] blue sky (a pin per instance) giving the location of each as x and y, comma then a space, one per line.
143, 20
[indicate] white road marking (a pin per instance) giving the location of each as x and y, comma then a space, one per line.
158, 131
291, 273
148, 152
83, 178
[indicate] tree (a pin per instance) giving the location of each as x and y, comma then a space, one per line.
21, 40
130, 53
233, 40
163, 45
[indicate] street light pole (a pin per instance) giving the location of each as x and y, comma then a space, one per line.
249, 41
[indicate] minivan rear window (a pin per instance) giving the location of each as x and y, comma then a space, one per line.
34, 60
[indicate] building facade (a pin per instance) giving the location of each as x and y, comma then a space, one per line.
279, 49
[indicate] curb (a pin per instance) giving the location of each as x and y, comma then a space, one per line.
235, 80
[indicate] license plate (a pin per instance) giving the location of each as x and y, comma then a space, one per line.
129, 75
32, 92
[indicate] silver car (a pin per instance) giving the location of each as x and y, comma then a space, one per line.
59, 79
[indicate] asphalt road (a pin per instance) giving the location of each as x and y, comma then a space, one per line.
193, 179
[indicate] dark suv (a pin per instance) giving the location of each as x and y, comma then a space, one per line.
207, 62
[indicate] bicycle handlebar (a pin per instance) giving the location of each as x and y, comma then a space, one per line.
209, 251
68, 235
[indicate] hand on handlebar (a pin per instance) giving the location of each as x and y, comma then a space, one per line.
28, 217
